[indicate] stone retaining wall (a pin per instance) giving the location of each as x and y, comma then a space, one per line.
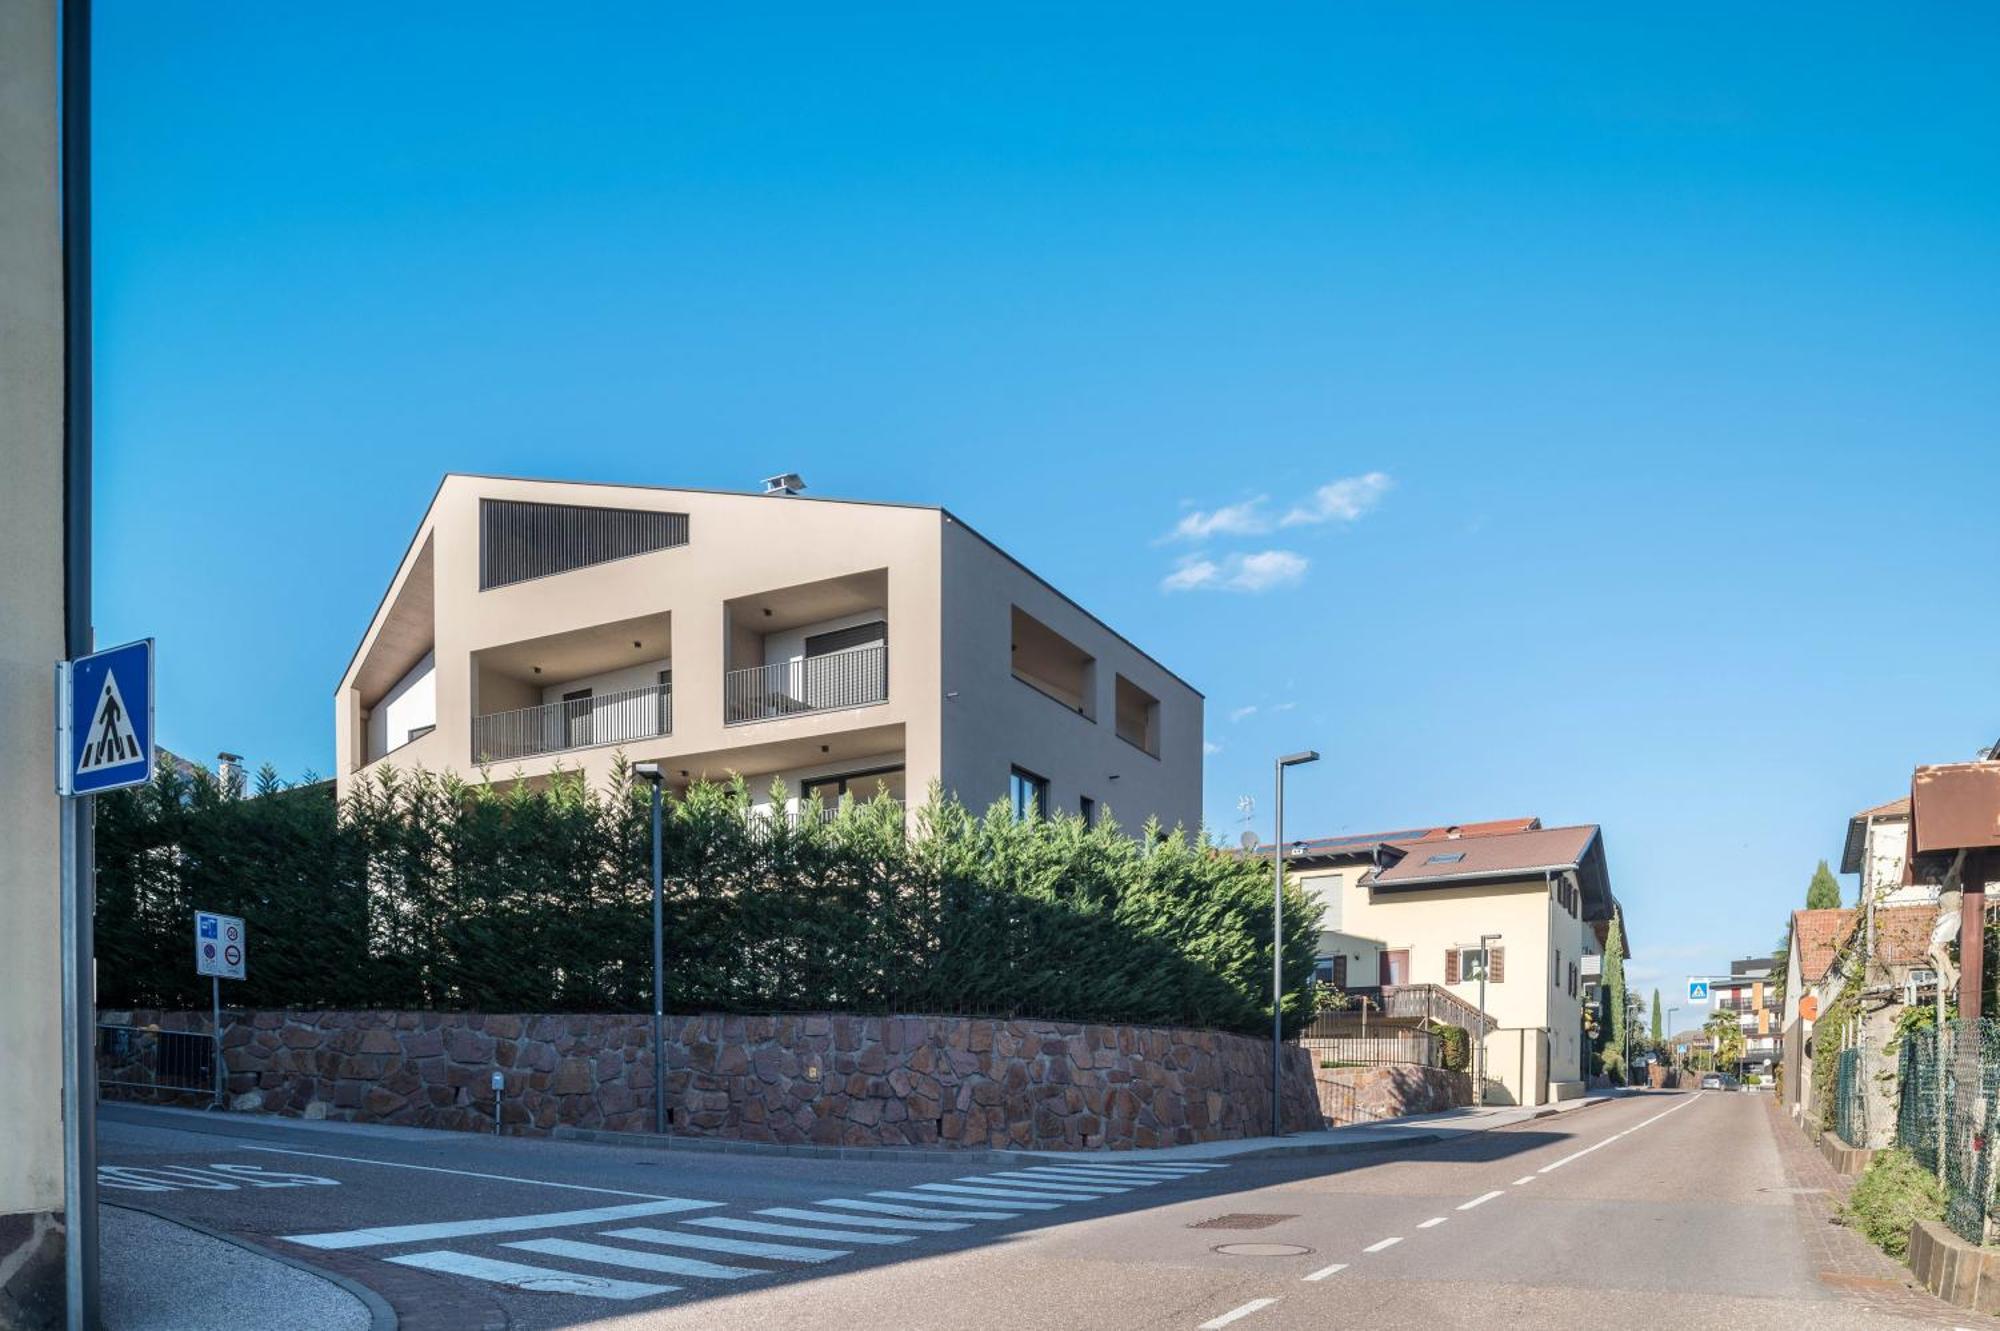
1363, 1095
828, 1078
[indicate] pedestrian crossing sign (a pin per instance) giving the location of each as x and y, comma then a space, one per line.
104, 720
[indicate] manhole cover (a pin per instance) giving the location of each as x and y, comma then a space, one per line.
1262, 1250
563, 1285
1242, 1220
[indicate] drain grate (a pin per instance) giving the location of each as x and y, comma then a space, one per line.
1242, 1220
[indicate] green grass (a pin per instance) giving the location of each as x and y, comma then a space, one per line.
1890, 1196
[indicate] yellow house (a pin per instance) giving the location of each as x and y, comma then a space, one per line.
1433, 906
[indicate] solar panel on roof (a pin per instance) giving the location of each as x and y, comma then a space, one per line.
1451, 857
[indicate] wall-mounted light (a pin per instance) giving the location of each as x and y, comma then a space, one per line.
536, 669
637, 643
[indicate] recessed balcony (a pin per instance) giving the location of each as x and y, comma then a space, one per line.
576, 723
815, 647
609, 684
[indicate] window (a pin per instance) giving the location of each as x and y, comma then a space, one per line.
1086, 808
418, 732
1463, 965
519, 541
576, 718
1028, 793
1450, 857
1138, 717
841, 640
863, 786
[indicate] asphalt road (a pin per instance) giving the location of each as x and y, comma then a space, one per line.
1656, 1208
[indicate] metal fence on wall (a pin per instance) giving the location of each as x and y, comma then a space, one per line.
1948, 1111
1850, 1100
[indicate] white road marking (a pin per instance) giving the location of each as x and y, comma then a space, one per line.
1433, 1222
1092, 1186
1326, 1271
1385, 1243
1236, 1314
1519, 1182
1482, 1199
1047, 1201
673, 1238
541, 1279
795, 1231
467, 1173
918, 1212
1014, 1204
1092, 1176
658, 1262
1039, 1188
1578, 1155
503, 1224
871, 1221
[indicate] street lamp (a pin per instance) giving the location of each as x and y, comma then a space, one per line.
1674, 1058
1278, 939
1486, 942
650, 773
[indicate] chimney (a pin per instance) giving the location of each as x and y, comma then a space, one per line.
789, 483
229, 767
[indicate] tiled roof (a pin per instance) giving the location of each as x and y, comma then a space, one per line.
1362, 843
1488, 856
1903, 934
1818, 934
1899, 807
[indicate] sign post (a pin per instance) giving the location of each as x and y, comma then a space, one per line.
221, 948
104, 740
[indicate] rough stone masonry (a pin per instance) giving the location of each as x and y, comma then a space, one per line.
830, 1079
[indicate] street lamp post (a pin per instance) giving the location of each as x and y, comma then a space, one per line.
650, 773
1278, 941
1486, 942
1675, 1056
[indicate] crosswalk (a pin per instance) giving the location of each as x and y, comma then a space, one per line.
725, 1248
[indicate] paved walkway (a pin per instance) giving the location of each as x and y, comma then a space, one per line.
163, 1275
1845, 1259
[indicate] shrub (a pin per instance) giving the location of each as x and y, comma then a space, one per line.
1891, 1195
423, 891
1455, 1047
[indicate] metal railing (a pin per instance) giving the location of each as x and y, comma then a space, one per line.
852, 678
147, 1058
1394, 1044
1408, 1003
605, 718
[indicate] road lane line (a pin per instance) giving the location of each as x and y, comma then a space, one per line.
540, 1279
1482, 1199
1236, 1314
500, 1224
1578, 1155
1326, 1271
467, 1173
673, 1238
870, 1221
1522, 1182
1433, 1222
986, 1203
795, 1231
1385, 1243
916, 1212
659, 1263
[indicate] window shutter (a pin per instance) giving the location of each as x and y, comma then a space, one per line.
1340, 971
1496, 965
1451, 965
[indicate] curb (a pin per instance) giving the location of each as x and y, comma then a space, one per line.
381, 1317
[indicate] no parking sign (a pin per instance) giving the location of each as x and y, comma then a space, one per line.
220, 945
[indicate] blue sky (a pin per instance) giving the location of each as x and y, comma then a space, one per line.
1630, 381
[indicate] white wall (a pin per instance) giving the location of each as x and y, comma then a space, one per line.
645, 675
410, 704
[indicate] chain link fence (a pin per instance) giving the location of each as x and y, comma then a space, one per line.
1948, 1111
1850, 1100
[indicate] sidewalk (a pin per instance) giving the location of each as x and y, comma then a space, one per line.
161, 1274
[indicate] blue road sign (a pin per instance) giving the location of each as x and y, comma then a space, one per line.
1697, 991
104, 720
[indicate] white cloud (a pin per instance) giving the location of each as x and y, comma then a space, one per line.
1238, 713
1283, 706
1344, 500
1258, 572
1244, 519
1210, 747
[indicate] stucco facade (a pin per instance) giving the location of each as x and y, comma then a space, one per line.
31, 608
779, 638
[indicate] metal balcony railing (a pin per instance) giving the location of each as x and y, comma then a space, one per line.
1401, 1003
606, 718
851, 678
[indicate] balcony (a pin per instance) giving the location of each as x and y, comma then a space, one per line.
1400, 1005
580, 723
854, 677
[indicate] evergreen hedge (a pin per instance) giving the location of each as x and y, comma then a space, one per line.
423, 891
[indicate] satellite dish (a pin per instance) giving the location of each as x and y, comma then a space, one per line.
1248, 840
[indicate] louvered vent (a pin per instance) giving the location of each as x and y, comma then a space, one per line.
520, 541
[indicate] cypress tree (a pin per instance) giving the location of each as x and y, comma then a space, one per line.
1823, 893
1659, 1020
1614, 986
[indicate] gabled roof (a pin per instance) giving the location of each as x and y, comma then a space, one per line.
1361, 845
1857, 830
1467, 860
1903, 934
1818, 934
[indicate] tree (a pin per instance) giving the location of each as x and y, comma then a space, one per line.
1725, 1034
1823, 893
1658, 1034
1614, 989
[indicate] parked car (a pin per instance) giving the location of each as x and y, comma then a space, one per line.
1711, 1082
